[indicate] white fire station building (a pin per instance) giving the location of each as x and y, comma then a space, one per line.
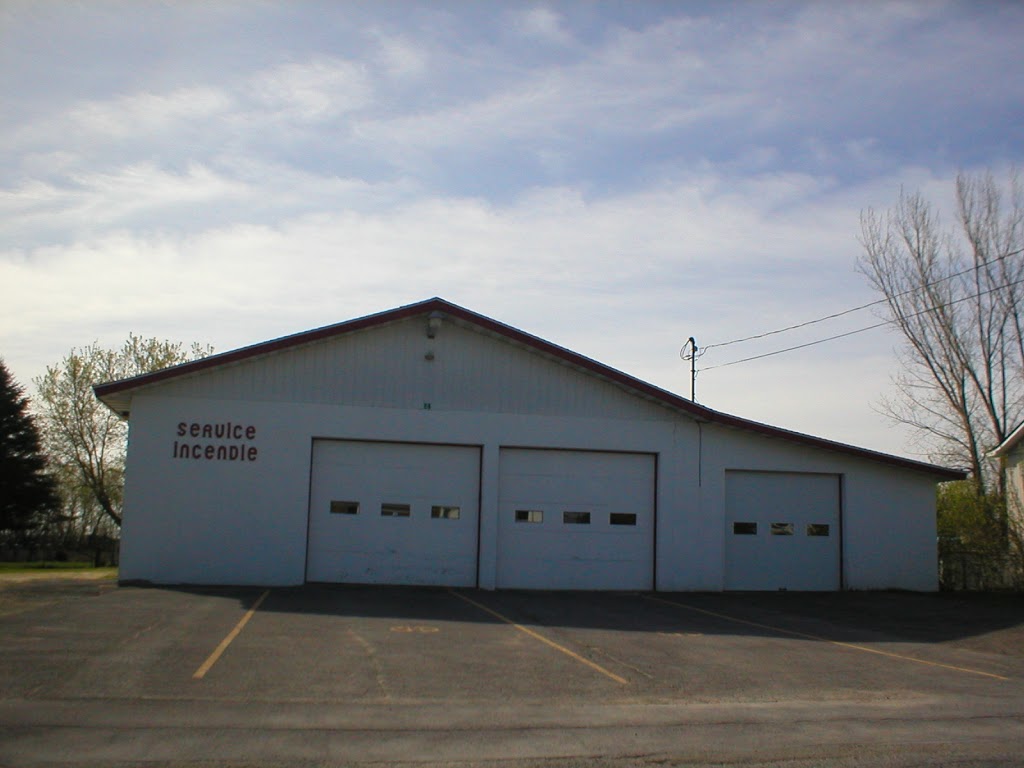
432, 445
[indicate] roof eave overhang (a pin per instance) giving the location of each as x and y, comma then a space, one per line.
117, 395
1009, 443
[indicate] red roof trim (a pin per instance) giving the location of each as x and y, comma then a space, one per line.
676, 402
263, 348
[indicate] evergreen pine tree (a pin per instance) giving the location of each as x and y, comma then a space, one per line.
27, 492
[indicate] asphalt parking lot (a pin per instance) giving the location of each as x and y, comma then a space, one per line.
96, 674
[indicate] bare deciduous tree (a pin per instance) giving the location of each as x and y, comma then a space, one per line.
83, 437
957, 297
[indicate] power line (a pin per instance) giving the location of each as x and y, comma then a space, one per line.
862, 330
800, 325
854, 309
798, 346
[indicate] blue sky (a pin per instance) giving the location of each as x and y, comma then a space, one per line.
614, 177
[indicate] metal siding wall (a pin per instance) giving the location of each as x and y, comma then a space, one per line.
888, 513
211, 522
217, 522
1015, 484
386, 367
889, 530
214, 522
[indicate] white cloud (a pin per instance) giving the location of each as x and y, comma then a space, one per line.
832, 85
88, 202
315, 90
612, 89
144, 112
624, 279
692, 246
614, 180
399, 57
542, 24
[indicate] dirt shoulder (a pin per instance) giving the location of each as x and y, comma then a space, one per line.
56, 574
24, 590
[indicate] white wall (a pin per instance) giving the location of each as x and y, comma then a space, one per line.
209, 521
1014, 468
388, 367
200, 521
889, 535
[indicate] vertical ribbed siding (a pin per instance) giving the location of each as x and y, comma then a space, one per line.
387, 367
478, 372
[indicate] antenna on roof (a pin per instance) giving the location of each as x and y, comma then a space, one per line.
689, 352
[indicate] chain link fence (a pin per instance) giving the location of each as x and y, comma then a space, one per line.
978, 571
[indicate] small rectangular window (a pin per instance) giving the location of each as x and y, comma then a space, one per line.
395, 510
622, 518
445, 513
576, 518
744, 529
344, 507
817, 529
529, 515
782, 529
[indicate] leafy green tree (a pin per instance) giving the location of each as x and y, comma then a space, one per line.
969, 521
85, 438
980, 547
27, 491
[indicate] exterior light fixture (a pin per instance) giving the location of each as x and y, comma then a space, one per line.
433, 324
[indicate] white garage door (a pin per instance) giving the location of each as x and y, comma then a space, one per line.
388, 513
782, 531
575, 520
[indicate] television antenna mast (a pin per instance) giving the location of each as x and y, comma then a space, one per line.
689, 352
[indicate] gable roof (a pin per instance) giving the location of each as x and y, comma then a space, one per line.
1009, 443
117, 395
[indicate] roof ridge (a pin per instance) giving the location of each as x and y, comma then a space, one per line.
108, 390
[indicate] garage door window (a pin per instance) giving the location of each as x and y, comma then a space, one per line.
529, 515
344, 507
817, 529
576, 518
395, 510
744, 529
445, 513
782, 529
622, 518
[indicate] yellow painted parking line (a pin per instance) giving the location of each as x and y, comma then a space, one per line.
817, 638
415, 629
546, 641
200, 673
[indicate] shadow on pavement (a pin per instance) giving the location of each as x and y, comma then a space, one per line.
993, 620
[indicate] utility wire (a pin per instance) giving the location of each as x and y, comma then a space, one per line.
854, 309
862, 330
800, 346
804, 324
